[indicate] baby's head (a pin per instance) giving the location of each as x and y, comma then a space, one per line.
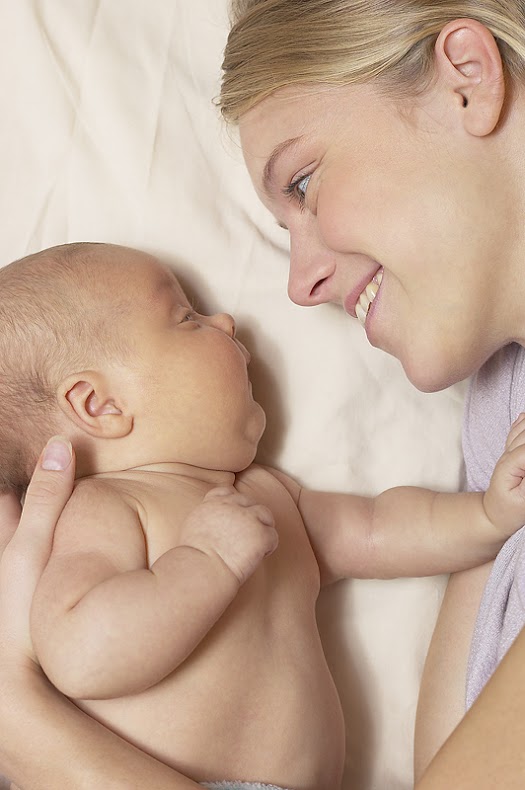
99, 343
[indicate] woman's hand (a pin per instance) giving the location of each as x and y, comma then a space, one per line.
26, 537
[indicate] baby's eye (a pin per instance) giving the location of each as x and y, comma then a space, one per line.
189, 315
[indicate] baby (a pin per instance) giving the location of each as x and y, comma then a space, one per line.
178, 605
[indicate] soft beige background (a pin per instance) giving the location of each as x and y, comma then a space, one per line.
108, 133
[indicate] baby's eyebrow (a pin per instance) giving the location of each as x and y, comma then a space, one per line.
160, 289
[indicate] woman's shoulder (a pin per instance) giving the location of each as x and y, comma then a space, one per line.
495, 397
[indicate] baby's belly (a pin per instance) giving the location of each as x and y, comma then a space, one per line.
255, 702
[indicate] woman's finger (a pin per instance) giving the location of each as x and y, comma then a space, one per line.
27, 553
47, 493
9, 517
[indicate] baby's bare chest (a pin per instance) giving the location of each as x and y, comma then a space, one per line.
167, 508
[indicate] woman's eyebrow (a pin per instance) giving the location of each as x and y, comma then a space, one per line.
269, 168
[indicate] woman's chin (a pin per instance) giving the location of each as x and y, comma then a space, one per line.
430, 376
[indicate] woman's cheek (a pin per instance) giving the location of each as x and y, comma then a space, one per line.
335, 219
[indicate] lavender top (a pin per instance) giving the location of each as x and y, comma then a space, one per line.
496, 397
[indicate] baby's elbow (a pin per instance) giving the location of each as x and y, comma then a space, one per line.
72, 675
73, 684
71, 666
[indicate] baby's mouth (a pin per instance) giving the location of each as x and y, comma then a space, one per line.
367, 297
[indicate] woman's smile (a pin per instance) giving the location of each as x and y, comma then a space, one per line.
367, 297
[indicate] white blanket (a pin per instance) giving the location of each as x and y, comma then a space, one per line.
109, 133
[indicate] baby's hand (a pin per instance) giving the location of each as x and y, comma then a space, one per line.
234, 527
504, 500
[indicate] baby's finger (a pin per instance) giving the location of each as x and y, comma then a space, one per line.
220, 491
9, 517
234, 497
264, 514
513, 466
516, 435
516, 429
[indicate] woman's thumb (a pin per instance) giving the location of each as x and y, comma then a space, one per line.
47, 493
9, 517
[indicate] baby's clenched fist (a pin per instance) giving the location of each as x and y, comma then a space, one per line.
234, 527
504, 500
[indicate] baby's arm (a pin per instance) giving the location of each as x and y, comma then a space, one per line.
416, 532
104, 624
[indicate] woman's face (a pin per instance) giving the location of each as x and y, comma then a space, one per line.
406, 212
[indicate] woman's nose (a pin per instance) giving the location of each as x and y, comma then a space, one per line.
311, 266
225, 322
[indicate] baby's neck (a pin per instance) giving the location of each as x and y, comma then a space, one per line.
211, 477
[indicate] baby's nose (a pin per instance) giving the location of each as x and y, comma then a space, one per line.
225, 322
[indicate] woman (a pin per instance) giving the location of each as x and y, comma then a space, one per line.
412, 113
423, 122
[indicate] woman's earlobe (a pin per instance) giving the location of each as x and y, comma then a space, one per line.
86, 399
469, 60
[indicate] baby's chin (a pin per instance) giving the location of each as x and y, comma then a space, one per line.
262, 425
254, 435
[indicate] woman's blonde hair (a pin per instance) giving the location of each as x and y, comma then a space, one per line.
278, 43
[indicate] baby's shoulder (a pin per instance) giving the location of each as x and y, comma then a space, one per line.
99, 517
90, 490
269, 479
103, 493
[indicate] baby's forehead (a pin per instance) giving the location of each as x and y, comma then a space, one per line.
165, 281
142, 277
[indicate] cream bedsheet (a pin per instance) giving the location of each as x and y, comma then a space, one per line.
109, 133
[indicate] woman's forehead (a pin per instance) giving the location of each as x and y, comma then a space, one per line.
292, 117
298, 109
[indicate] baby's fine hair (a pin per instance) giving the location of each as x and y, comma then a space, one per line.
51, 323
281, 43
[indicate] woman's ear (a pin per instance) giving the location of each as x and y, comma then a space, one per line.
469, 62
87, 400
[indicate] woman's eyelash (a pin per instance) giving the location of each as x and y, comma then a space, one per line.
291, 191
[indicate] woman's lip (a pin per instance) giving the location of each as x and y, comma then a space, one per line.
352, 298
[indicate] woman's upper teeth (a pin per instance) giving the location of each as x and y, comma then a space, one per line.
367, 297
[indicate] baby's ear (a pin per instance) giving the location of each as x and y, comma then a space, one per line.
87, 400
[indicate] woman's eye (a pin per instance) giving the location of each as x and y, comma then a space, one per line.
296, 190
302, 185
